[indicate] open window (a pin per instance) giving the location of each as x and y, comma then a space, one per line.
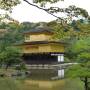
27, 37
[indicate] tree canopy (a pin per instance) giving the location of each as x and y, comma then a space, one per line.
79, 52
9, 53
8, 4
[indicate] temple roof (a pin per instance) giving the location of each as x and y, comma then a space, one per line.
39, 30
40, 42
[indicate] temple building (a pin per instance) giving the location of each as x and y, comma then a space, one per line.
41, 51
39, 47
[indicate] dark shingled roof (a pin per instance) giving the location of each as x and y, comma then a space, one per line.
40, 42
39, 30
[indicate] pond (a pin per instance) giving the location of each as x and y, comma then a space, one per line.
52, 79
43, 79
46, 74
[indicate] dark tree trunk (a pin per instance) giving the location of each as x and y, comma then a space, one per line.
6, 67
86, 83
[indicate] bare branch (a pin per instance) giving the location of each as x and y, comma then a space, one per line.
46, 10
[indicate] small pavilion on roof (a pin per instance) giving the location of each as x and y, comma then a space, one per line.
39, 47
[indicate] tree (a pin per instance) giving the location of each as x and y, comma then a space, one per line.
81, 55
70, 12
70, 31
11, 33
27, 25
10, 56
8, 4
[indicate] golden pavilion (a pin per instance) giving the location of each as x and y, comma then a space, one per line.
39, 47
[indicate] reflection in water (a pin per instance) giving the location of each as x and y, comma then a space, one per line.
61, 73
46, 79
46, 74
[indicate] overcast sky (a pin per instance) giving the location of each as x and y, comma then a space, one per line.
25, 12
